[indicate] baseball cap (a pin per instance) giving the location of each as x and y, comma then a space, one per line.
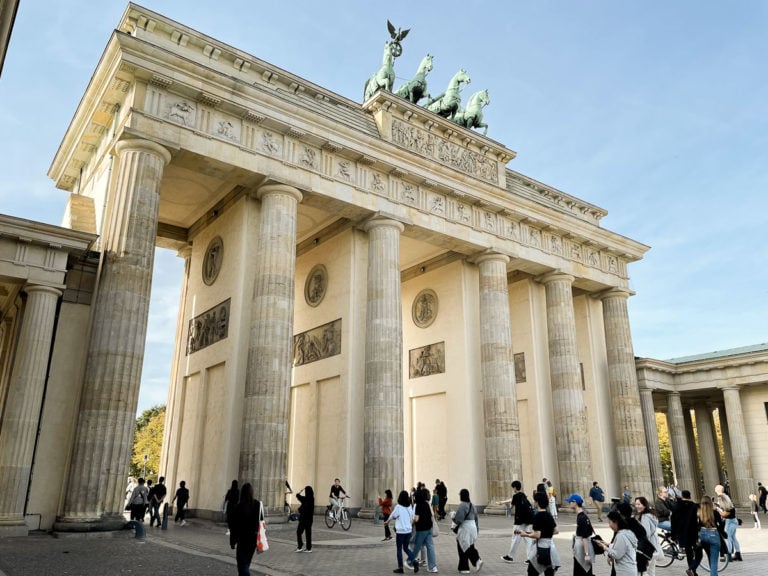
575, 498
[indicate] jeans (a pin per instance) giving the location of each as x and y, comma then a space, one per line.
665, 525
710, 541
730, 528
402, 541
154, 513
424, 538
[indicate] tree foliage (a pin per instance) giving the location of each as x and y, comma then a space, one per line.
147, 441
665, 448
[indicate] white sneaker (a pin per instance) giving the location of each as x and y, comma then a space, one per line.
299, 549
226, 533
433, 569
183, 522
479, 565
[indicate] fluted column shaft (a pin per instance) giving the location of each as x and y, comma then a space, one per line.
651, 436
631, 451
570, 413
681, 455
103, 440
502, 427
741, 477
24, 400
383, 396
707, 448
266, 409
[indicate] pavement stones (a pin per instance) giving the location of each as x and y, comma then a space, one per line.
202, 548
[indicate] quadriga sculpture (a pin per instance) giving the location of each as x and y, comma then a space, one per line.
385, 77
416, 89
447, 103
472, 115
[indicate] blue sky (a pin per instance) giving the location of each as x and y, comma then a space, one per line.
655, 111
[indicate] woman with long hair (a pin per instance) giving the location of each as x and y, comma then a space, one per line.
650, 523
403, 517
711, 525
306, 517
244, 529
422, 524
465, 520
386, 510
623, 547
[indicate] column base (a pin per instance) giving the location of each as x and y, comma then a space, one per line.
366, 513
85, 525
13, 527
494, 509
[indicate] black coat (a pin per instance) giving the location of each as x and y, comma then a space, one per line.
685, 523
245, 524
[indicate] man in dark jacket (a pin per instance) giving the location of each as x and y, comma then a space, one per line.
685, 526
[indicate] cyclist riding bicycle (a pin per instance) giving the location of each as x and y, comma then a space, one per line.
336, 497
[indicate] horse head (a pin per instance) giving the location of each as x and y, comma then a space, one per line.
388, 58
461, 77
482, 97
426, 64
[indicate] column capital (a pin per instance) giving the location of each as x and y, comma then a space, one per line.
489, 255
29, 288
554, 276
674, 393
725, 387
184, 252
376, 222
277, 188
141, 145
615, 292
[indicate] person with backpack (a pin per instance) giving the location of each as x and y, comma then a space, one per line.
650, 523
583, 550
523, 511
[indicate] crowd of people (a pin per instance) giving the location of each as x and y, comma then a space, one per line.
705, 527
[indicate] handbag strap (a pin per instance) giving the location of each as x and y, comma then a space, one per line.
261, 511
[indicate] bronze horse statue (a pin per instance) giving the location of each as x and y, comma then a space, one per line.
472, 115
416, 89
447, 103
385, 77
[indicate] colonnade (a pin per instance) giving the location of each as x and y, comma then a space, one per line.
696, 458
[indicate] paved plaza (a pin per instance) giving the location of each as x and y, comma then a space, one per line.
201, 548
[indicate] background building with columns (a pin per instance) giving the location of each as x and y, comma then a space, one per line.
369, 293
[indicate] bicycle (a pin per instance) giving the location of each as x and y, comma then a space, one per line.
342, 517
672, 552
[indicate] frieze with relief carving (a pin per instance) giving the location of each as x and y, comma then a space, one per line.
317, 344
452, 155
208, 328
427, 360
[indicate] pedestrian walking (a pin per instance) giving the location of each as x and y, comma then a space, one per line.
583, 550
552, 496
386, 509
306, 517
711, 530
245, 525
523, 519
597, 495
422, 524
755, 510
231, 499
466, 529
182, 500
650, 523
622, 550
138, 501
159, 491
403, 518
725, 507
543, 557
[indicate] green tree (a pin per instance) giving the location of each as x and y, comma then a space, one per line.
665, 448
147, 441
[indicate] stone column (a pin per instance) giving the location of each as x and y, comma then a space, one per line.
742, 481
502, 427
696, 487
728, 473
681, 455
22, 409
707, 448
570, 413
101, 455
651, 437
266, 407
631, 452
383, 440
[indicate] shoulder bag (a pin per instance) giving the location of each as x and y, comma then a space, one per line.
262, 545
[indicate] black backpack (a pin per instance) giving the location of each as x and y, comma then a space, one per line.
526, 510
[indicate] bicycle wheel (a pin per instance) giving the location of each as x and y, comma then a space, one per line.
346, 519
330, 519
669, 549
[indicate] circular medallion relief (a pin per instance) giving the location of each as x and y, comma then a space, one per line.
316, 285
424, 309
214, 255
